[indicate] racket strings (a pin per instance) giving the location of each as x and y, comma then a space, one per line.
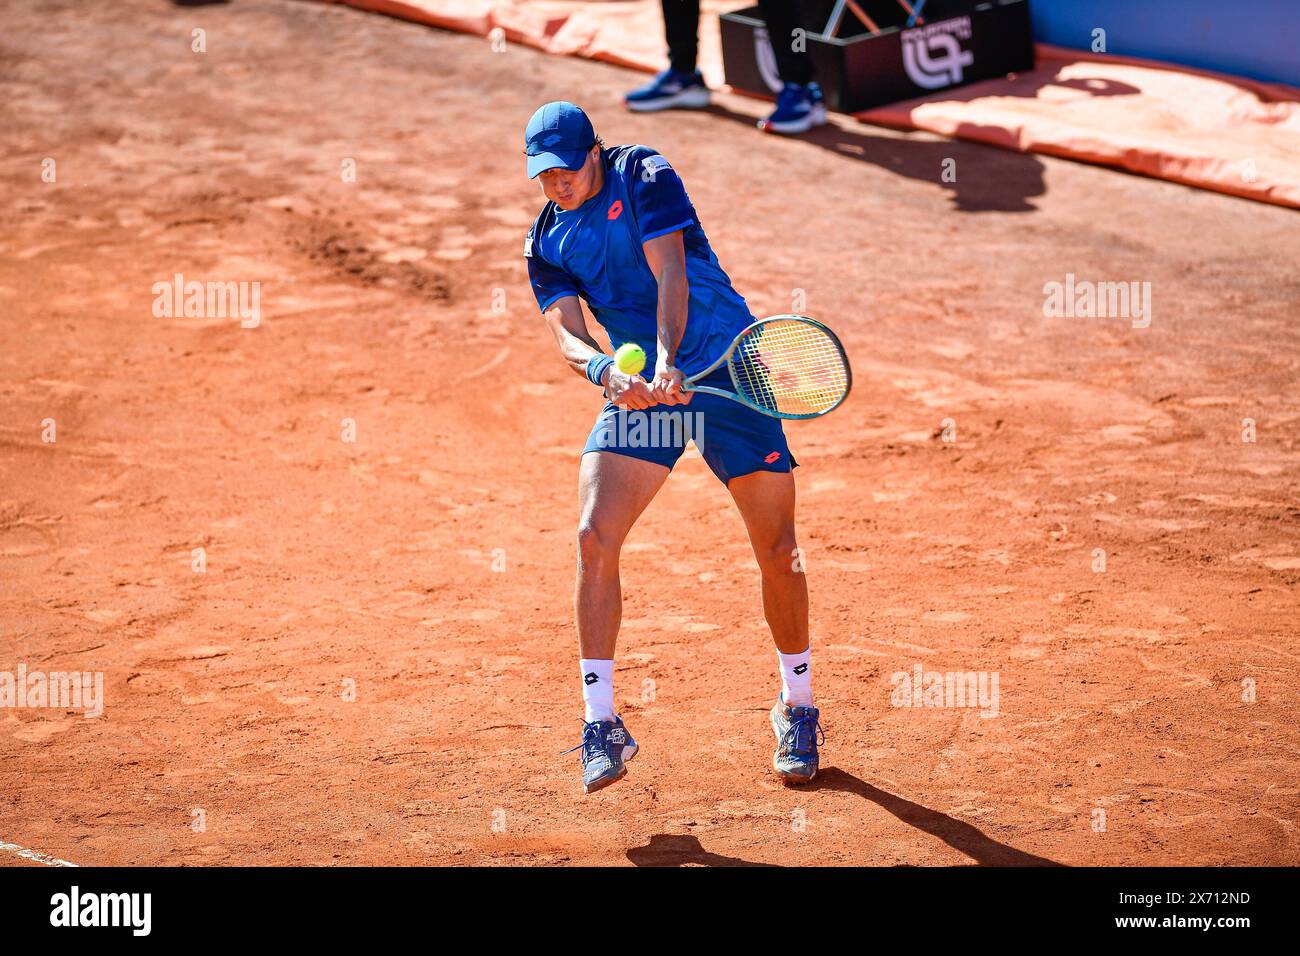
790, 367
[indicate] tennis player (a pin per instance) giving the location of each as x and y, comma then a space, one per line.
619, 232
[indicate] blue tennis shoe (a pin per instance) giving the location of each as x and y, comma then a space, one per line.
606, 747
798, 733
670, 89
798, 109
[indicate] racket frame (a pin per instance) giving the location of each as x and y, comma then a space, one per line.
736, 396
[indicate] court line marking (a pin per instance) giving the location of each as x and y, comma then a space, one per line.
34, 855
495, 361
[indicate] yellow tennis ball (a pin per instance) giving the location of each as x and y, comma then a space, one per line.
630, 358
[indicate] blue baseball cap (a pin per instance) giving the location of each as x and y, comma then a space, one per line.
559, 134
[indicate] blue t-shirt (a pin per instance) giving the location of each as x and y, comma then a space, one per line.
595, 252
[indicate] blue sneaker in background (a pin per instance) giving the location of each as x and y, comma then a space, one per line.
798, 734
798, 109
669, 90
606, 747
819, 102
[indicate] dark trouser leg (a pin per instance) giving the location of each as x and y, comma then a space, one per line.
782, 19
682, 28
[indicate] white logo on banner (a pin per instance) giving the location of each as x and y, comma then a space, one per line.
932, 55
766, 60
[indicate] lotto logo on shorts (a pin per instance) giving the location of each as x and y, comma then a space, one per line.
772, 457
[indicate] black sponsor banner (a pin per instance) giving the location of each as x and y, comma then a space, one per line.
858, 70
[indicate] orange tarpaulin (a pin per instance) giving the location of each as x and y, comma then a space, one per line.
1214, 131
1217, 132
627, 32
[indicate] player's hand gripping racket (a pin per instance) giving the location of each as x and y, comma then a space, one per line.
785, 366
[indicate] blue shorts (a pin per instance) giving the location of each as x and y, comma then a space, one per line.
734, 439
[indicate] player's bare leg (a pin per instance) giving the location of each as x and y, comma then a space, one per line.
766, 502
613, 490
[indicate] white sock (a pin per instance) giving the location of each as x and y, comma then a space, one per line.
598, 689
796, 678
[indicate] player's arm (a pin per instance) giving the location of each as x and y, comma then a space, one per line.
569, 326
666, 256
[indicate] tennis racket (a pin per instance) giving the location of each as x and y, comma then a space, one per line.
785, 366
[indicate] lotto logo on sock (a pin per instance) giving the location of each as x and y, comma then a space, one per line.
801, 669
590, 679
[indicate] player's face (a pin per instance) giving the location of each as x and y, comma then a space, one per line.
570, 188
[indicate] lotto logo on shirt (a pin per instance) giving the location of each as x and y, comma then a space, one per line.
616, 210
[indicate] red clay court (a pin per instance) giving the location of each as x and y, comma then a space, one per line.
951, 510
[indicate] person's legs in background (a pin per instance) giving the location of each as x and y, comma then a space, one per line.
799, 105
682, 84
682, 29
